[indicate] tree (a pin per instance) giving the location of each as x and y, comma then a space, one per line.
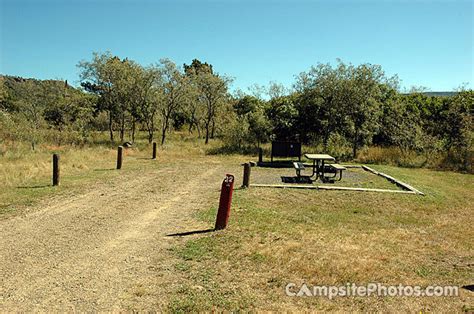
458, 127
257, 91
174, 89
126, 78
194, 106
112, 80
197, 67
96, 79
276, 90
214, 94
401, 125
259, 126
148, 97
211, 90
361, 94
251, 112
30, 102
319, 99
59, 108
283, 114
246, 105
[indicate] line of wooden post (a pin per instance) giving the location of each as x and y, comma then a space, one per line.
119, 157
56, 169
154, 151
246, 181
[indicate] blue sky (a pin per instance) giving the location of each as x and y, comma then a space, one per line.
427, 43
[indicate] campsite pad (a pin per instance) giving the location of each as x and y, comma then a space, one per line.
352, 177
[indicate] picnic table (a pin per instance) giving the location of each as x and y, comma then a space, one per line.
318, 163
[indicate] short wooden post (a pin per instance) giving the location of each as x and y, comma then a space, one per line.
154, 151
55, 169
225, 202
119, 157
260, 155
246, 182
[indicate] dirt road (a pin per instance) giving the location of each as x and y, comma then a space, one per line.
106, 249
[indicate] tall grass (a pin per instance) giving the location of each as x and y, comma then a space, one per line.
412, 159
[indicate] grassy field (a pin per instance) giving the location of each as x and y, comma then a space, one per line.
26, 175
332, 238
280, 236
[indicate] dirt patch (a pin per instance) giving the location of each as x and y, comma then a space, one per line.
352, 177
105, 249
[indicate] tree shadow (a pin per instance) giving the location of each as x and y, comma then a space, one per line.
182, 234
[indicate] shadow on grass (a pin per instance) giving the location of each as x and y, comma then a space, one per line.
468, 287
299, 180
108, 169
35, 186
182, 234
276, 164
239, 188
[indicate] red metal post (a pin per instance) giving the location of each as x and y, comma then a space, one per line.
225, 202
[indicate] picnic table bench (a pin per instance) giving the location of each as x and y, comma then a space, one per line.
319, 168
335, 168
299, 166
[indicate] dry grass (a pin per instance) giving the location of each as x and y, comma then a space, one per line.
394, 156
332, 238
26, 174
428, 159
278, 236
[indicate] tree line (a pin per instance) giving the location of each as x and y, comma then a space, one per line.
162, 93
341, 106
352, 107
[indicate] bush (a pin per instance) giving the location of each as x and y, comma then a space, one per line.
339, 147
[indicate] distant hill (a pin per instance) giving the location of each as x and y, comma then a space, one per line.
15, 82
15, 88
440, 94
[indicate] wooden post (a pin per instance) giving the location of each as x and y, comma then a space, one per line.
154, 151
246, 182
225, 202
55, 169
119, 157
260, 155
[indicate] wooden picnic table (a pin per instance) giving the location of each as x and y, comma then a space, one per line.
318, 163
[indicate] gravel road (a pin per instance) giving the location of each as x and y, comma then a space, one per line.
105, 249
